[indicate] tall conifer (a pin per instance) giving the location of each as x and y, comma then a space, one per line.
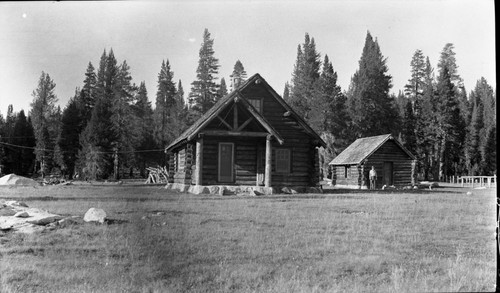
304, 78
238, 76
204, 90
43, 111
371, 108
165, 106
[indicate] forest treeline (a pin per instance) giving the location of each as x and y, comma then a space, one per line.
110, 129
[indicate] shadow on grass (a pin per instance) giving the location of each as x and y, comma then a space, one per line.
388, 191
93, 198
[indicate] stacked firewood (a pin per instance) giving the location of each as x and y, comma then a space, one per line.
157, 175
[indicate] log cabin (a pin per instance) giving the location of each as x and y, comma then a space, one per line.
250, 139
394, 164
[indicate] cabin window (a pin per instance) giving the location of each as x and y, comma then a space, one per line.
347, 172
282, 161
256, 103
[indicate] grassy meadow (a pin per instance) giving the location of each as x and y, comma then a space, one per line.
342, 241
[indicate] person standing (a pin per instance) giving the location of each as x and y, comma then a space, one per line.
373, 177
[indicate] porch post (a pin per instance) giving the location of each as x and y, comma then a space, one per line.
199, 160
267, 174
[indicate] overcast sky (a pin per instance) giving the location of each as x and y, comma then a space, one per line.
61, 38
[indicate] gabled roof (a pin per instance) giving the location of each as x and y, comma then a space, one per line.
299, 119
362, 148
212, 113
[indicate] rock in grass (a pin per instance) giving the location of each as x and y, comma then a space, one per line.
70, 221
95, 215
6, 212
256, 193
43, 220
21, 215
14, 203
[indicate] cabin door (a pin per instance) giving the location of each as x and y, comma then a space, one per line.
226, 162
388, 173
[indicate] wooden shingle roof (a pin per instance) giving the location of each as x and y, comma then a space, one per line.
212, 113
362, 148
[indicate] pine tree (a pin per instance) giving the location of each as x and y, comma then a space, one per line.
329, 115
71, 128
179, 124
2, 146
56, 133
448, 61
329, 107
222, 88
482, 119
451, 131
144, 113
371, 108
7, 160
165, 106
414, 88
23, 136
101, 71
204, 89
124, 122
489, 163
473, 139
42, 113
286, 92
238, 76
304, 78
89, 92
487, 96
95, 158
409, 125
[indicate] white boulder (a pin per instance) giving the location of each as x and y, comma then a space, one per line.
13, 179
95, 215
21, 215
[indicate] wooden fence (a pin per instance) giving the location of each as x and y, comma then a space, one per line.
487, 181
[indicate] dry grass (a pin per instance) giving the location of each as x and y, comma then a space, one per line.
348, 242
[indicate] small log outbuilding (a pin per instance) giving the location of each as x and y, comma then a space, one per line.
251, 137
394, 164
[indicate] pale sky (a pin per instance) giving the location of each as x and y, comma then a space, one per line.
61, 38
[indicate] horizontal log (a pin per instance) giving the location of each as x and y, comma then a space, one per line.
246, 156
245, 165
235, 133
301, 165
246, 148
244, 172
250, 183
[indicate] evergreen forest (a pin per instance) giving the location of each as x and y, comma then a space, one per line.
113, 128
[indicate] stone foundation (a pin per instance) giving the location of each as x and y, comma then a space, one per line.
350, 186
238, 189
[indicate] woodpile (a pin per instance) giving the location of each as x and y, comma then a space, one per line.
157, 175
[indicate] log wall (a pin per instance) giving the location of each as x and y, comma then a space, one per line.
388, 152
304, 156
182, 162
353, 176
402, 164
